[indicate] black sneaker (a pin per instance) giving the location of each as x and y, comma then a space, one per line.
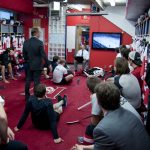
59, 98
65, 101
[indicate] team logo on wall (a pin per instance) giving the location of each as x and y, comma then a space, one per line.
51, 92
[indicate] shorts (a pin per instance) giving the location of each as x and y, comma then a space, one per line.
63, 81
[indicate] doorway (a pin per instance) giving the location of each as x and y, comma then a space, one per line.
82, 37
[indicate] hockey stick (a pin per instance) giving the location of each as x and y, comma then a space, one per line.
78, 121
81, 107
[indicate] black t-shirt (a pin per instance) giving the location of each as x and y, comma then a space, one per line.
42, 114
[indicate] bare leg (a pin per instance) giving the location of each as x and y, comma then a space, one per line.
3, 74
69, 77
45, 73
11, 72
85, 64
58, 107
75, 65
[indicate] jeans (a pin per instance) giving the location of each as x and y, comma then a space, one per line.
14, 145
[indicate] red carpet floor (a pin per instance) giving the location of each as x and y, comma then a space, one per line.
78, 95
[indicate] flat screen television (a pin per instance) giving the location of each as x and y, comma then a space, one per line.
108, 41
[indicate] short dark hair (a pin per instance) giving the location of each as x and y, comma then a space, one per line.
34, 30
40, 90
122, 66
125, 53
108, 96
56, 58
91, 83
62, 61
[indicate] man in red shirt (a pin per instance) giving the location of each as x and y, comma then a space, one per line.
135, 62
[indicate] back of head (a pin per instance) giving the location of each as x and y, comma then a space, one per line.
92, 82
121, 66
35, 31
135, 58
108, 96
125, 53
62, 61
40, 90
56, 58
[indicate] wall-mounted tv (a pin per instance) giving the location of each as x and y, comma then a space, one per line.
103, 40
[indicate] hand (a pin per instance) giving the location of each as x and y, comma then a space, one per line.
16, 129
59, 140
10, 134
77, 147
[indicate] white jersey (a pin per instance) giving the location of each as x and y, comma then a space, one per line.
59, 73
95, 107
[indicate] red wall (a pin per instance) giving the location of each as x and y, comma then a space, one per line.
99, 24
39, 13
75, 21
102, 58
24, 6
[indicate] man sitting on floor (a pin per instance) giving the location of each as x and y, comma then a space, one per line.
120, 129
43, 113
60, 74
7, 141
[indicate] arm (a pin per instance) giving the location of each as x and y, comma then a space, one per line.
43, 54
95, 119
24, 53
3, 125
24, 116
102, 141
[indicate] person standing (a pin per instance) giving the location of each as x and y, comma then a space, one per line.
33, 53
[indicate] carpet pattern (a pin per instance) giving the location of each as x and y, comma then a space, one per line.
78, 95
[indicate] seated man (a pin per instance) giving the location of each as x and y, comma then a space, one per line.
120, 129
135, 62
55, 62
6, 63
85, 56
96, 112
6, 135
43, 113
61, 75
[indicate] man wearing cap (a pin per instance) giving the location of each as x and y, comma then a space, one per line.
135, 62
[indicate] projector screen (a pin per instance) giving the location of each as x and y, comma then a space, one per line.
101, 40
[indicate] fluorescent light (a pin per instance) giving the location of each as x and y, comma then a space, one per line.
112, 2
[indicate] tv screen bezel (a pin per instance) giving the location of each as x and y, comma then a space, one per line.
110, 49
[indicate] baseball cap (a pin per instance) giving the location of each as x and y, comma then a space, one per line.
135, 57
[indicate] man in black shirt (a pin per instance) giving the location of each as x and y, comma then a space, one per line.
43, 113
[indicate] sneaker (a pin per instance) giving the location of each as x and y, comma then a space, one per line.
65, 101
80, 139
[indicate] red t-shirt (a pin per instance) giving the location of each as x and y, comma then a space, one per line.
137, 73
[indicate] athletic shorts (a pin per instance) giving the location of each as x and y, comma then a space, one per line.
63, 81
